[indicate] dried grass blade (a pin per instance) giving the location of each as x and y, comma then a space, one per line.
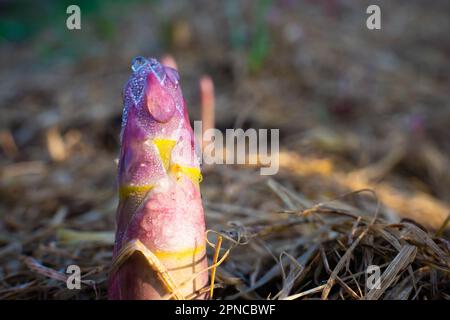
402, 260
213, 270
420, 236
340, 265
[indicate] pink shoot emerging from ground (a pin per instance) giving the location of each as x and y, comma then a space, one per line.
208, 105
160, 239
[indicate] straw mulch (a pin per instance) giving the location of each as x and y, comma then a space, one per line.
282, 247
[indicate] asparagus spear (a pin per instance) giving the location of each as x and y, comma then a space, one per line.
160, 239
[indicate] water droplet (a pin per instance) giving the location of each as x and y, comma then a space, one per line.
137, 63
126, 106
158, 70
161, 104
137, 86
173, 76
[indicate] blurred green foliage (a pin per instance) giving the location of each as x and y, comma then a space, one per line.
22, 19
259, 48
252, 37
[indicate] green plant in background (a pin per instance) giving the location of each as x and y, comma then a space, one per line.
238, 29
24, 21
259, 47
253, 38
21, 20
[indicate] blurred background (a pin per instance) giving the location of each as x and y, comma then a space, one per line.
356, 108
